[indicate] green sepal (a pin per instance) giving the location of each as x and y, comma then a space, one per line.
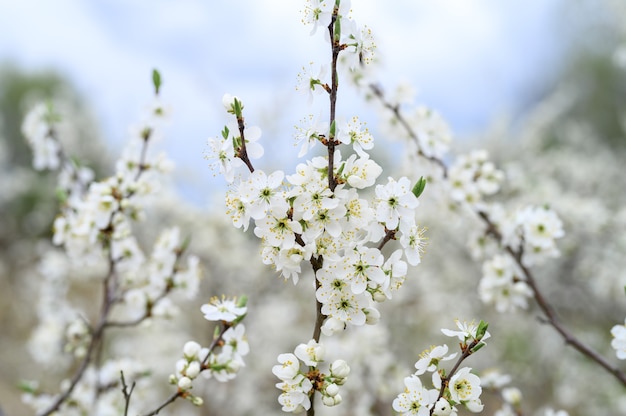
419, 187
156, 80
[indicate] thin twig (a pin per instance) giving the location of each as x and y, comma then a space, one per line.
126, 392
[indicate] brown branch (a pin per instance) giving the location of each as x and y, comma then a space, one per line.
243, 152
110, 286
550, 315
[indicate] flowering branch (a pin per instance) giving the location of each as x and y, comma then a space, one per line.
516, 254
551, 317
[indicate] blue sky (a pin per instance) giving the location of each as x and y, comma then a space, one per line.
472, 60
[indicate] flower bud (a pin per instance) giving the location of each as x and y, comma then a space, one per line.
184, 383
339, 369
372, 316
328, 401
191, 349
196, 401
332, 389
193, 369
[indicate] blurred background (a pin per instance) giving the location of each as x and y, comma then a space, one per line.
541, 84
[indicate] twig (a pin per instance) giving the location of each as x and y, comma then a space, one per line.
126, 393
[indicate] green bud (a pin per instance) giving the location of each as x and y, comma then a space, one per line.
333, 128
225, 132
481, 330
156, 81
242, 301
419, 187
340, 170
237, 107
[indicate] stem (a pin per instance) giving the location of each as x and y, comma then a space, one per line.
243, 152
334, 85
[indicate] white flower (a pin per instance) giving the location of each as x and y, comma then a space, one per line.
361, 43
222, 153
360, 173
295, 396
260, 193
277, 229
352, 132
501, 285
310, 353
317, 12
413, 240
395, 201
289, 367
433, 133
464, 386
619, 341
415, 400
360, 266
222, 310
467, 331
311, 82
429, 359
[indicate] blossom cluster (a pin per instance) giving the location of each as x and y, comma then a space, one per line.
460, 387
95, 229
298, 386
204, 361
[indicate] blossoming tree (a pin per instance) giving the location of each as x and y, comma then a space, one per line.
347, 238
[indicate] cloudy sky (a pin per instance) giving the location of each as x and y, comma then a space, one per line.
472, 60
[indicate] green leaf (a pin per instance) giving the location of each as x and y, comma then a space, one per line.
156, 80
333, 128
242, 301
238, 108
481, 330
419, 187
